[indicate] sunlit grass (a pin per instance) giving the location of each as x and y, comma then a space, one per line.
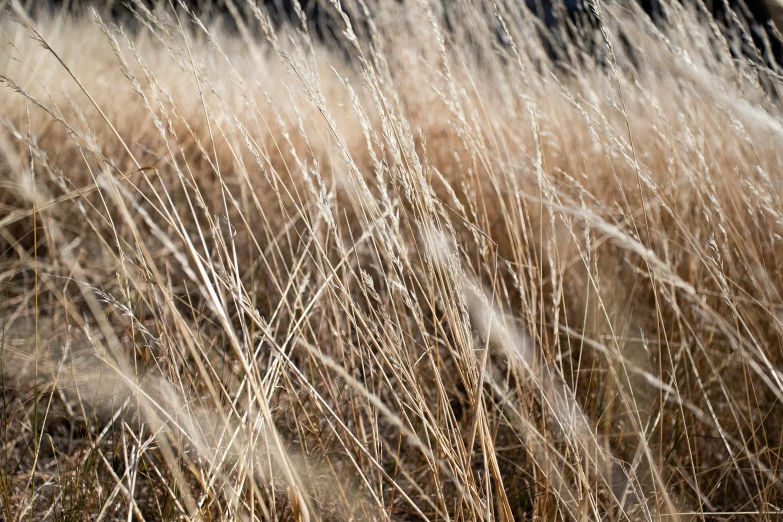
415, 274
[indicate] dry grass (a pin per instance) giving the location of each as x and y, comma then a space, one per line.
245, 278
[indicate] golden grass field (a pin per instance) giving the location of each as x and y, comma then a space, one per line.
413, 274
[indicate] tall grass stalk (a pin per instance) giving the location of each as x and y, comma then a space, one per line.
421, 271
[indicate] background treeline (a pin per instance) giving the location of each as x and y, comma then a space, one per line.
751, 27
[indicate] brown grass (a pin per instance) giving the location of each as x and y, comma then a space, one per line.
243, 277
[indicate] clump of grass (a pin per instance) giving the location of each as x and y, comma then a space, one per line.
446, 278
